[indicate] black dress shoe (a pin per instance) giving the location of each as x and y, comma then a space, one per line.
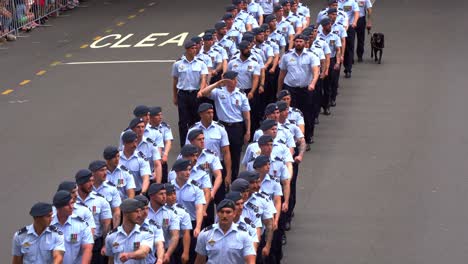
333, 103
359, 59
326, 112
347, 75
317, 121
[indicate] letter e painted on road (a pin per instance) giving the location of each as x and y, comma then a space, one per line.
95, 45
179, 40
118, 44
150, 38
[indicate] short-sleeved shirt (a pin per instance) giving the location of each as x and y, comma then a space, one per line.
255, 10
149, 133
216, 137
228, 45
166, 132
110, 192
158, 236
250, 228
304, 10
333, 41
76, 233
295, 19
363, 6
80, 209
298, 67
189, 195
230, 106
184, 217
37, 249
294, 129
274, 46
260, 204
265, 50
100, 209
206, 59
295, 116
284, 136
216, 57
137, 166
278, 38
271, 186
341, 16
189, 73
167, 219
122, 179
219, 247
349, 7
246, 70
285, 28
267, 5
201, 177
118, 242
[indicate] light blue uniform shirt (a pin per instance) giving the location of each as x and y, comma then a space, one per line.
255, 10
340, 16
206, 59
100, 209
166, 133
317, 51
251, 229
37, 249
294, 19
189, 195
76, 233
229, 106
267, 5
363, 6
201, 177
285, 28
158, 236
298, 67
167, 219
278, 38
189, 73
271, 186
349, 7
184, 217
118, 242
219, 48
265, 50
295, 116
333, 41
215, 137
110, 193
322, 44
231, 247
261, 205
293, 128
206, 160
279, 150
81, 210
274, 46
337, 28
283, 135
149, 133
122, 179
216, 57
228, 45
246, 69
304, 10
235, 33
137, 166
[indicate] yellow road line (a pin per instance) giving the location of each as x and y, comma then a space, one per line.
120, 24
55, 63
68, 55
97, 38
109, 31
40, 73
9, 91
84, 46
131, 16
24, 82
141, 10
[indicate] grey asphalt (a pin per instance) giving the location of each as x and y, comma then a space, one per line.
385, 182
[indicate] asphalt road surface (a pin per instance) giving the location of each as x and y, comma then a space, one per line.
385, 182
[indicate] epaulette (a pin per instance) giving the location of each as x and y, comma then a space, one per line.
151, 221
325, 9
193, 182
301, 14
55, 229
98, 194
339, 23
151, 141
180, 206
123, 168
210, 151
81, 203
254, 59
22, 230
200, 59
287, 20
321, 38
281, 141
142, 155
249, 222
252, 206
142, 228
164, 124
318, 46
242, 228
113, 231
219, 124
292, 122
110, 183
266, 194
261, 195
208, 228
80, 219
258, 215
278, 159
252, 159
169, 208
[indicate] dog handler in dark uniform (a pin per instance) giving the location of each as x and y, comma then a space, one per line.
364, 21
233, 109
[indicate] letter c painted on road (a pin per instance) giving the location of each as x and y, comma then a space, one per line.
95, 45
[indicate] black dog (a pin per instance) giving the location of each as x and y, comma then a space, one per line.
377, 44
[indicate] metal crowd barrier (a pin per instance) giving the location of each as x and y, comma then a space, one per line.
18, 16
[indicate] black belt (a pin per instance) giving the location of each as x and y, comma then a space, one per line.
188, 91
231, 124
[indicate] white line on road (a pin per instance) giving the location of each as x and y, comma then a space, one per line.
117, 62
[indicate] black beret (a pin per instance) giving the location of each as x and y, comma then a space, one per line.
240, 185
66, 186
40, 209
225, 204
264, 139
283, 93
134, 122
311, 26
141, 110
83, 176
155, 187
220, 25
204, 106
231, 75
267, 124
257, 31
244, 45
188, 150
264, 27
143, 200
180, 165
210, 31
155, 110
194, 133
260, 161
188, 44
284, 2
196, 39
332, 2
270, 18
129, 136
301, 36
325, 21
282, 106
249, 37
307, 32
170, 188
233, 196
277, 8
61, 199
248, 176
227, 16
96, 165
236, 2
110, 152
230, 8
332, 10
270, 108
129, 205
207, 37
